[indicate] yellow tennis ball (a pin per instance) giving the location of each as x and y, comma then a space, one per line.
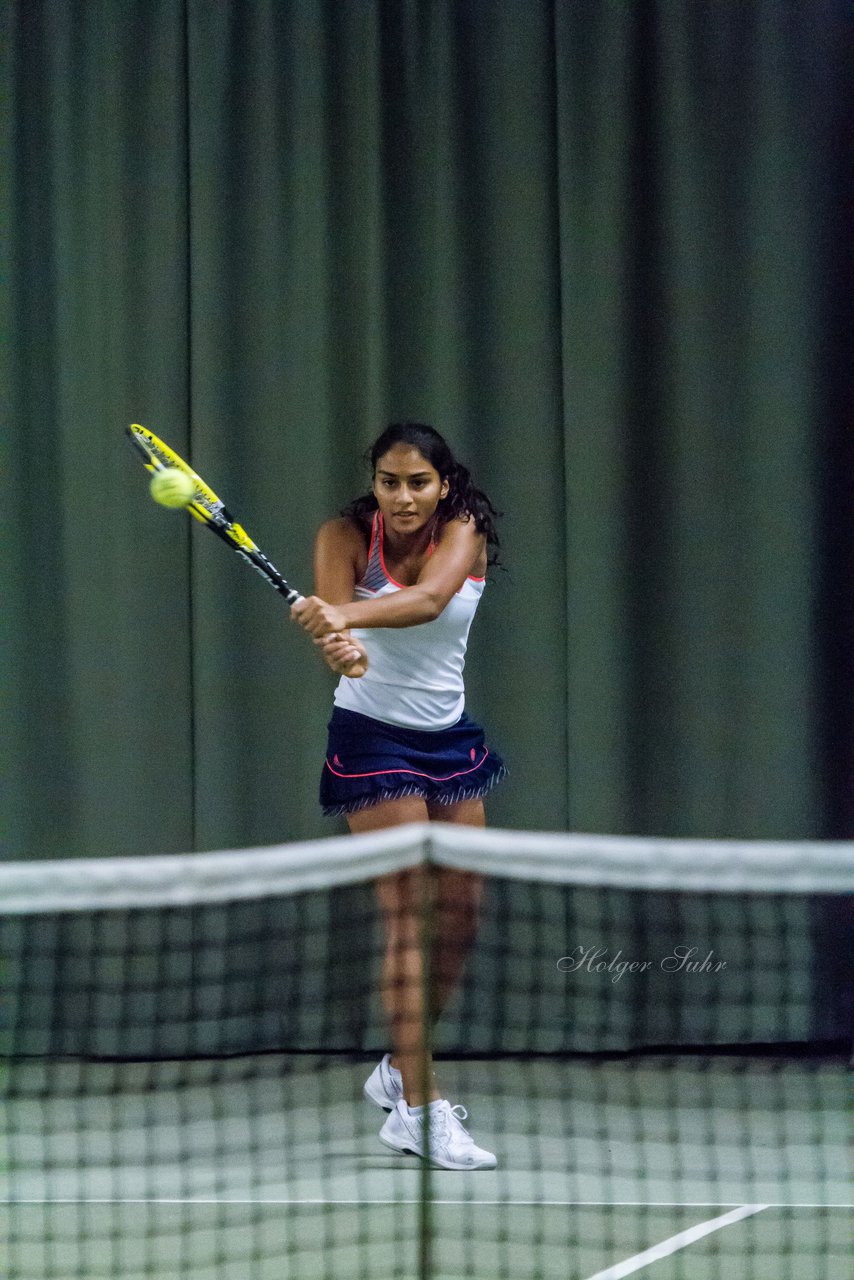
172, 487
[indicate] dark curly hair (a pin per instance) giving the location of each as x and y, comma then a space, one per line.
463, 497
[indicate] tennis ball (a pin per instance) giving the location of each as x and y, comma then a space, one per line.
172, 487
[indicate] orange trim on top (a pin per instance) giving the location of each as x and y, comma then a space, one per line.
394, 582
373, 537
471, 577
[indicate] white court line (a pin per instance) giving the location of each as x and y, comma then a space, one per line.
630, 1265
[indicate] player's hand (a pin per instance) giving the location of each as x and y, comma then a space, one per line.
317, 617
343, 655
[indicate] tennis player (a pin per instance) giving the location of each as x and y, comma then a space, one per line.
398, 578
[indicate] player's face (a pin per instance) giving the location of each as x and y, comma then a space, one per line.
408, 489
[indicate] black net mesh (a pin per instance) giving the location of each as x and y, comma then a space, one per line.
660, 1072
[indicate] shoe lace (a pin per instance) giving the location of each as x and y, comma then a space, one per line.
459, 1114
445, 1119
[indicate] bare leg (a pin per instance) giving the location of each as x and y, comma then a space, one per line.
400, 896
458, 896
456, 901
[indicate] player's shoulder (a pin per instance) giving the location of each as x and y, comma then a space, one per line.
461, 528
340, 527
463, 538
344, 534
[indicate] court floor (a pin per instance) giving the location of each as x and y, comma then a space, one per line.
250, 1169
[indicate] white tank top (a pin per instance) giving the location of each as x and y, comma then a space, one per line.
415, 674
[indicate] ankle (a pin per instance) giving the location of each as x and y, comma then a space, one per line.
417, 1098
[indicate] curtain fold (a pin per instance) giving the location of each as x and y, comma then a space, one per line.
98, 735
693, 201
594, 244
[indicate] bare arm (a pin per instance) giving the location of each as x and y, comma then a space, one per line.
338, 552
458, 553
339, 560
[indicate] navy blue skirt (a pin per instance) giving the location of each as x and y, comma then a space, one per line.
368, 761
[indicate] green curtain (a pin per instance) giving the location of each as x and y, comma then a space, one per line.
592, 242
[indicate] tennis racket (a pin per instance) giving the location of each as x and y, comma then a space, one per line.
208, 509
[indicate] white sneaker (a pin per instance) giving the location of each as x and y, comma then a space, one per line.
451, 1146
384, 1085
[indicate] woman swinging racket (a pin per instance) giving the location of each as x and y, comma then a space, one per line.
398, 578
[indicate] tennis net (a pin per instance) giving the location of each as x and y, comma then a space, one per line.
650, 1035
